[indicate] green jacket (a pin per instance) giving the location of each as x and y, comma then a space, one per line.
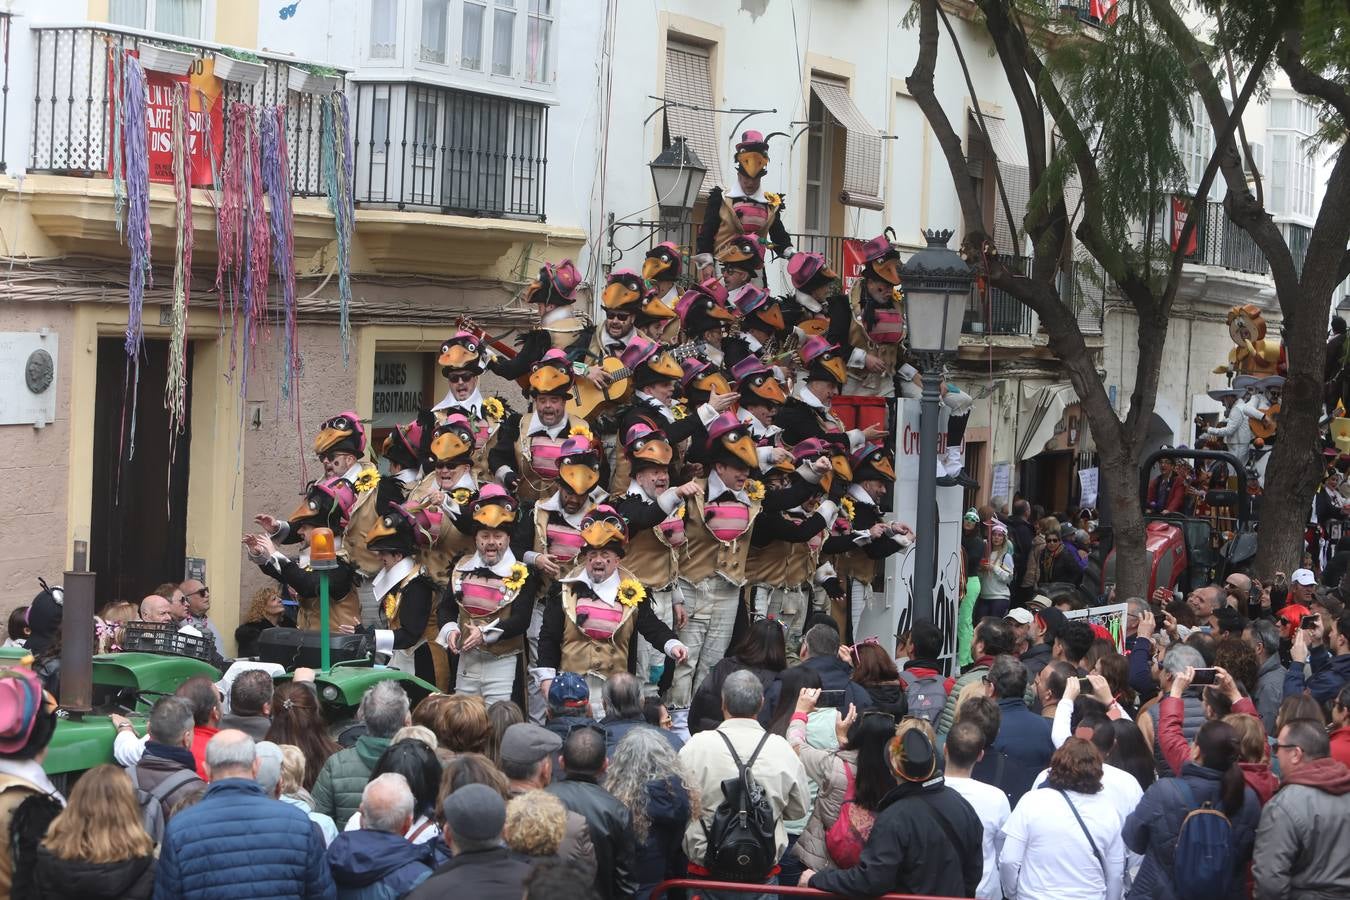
337, 793
974, 673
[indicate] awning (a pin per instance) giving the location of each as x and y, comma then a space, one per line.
1041, 415
689, 84
862, 147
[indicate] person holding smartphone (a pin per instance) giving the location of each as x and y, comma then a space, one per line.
1328, 667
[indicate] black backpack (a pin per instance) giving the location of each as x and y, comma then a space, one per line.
741, 841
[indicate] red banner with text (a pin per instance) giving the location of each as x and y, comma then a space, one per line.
205, 122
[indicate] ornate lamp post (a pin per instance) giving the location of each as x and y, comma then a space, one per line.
677, 173
936, 282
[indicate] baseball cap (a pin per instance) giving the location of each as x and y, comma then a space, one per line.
569, 690
1020, 616
475, 812
1303, 576
525, 743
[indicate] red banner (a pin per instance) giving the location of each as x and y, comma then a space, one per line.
1180, 209
851, 266
205, 123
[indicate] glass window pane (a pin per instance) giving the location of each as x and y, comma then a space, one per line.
1280, 114
379, 125
181, 17
537, 37
130, 13
471, 44
503, 31
541, 7
383, 29
435, 20
812, 207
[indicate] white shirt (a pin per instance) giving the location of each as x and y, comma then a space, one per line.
1046, 856
473, 403
1119, 785
716, 487
991, 805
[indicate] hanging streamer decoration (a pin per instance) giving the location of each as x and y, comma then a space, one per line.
275, 168
135, 163
337, 174
242, 266
175, 387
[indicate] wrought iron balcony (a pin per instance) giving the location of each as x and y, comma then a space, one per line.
449, 151
72, 100
1219, 242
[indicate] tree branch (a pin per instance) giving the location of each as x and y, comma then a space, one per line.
1305, 80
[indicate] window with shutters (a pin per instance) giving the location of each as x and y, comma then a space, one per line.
861, 163
690, 111
1005, 149
819, 180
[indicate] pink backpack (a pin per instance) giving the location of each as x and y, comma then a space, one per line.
845, 838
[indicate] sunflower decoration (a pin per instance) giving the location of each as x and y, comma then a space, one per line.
391, 606
494, 409
515, 580
581, 429
631, 592
679, 411
754, 490
367, 480
846, 505
773, 199
679, 513
461, 495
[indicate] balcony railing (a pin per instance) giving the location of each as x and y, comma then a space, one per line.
1219, 242
72, 100
449, 151
998, 312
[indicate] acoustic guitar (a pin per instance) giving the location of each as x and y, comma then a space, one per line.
506, 350
1266, 426
587, 399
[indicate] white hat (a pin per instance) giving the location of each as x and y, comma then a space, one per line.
1040, 600
1020, 616
1303, 576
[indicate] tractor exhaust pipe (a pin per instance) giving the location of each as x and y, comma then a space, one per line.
77, 644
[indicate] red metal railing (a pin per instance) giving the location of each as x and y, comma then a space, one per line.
782, 890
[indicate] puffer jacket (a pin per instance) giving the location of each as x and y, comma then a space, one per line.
974, 673
376, 865
1304, 830
1152, 829
826, 769
238, 844
661, 856
337, 792
1192, 717
74, 879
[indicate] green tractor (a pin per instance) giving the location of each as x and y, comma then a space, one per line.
128, 683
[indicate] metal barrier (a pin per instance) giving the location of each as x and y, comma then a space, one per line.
780, 890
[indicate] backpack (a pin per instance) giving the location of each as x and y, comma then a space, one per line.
741, 841
926, 696
844, 839
151, 802
1203, 862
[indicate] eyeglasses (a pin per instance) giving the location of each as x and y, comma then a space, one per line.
444, 465
620, 316
584, 725
202, 591
460, 377
1052, 540
1279, 747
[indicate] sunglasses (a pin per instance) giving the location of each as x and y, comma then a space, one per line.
202, 592
446, 466
1052, 540
581, 726
460, 377
620, 316
863, 643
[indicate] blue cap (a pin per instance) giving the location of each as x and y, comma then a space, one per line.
568, 689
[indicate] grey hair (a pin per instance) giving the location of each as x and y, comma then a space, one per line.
822, 641
1137, 606
1180, 656
1008, 676
269, 767
384, 709
742, 694
170, 719
642, 757
230, 751
1267, 635
386, 803
623, 696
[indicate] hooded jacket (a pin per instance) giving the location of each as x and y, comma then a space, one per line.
376, 865
1152, 829
1304, 830
74, 879
337, 792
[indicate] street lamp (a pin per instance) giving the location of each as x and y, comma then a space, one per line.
936, 282
677, 173
323, 559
